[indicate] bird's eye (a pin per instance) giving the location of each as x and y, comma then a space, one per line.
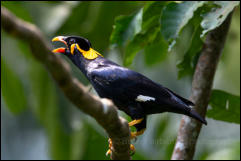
72, 41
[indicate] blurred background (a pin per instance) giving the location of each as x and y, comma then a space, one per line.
47, 126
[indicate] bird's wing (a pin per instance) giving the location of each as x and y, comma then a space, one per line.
131, 86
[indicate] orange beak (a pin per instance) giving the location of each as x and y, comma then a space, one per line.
59, 50
61, 39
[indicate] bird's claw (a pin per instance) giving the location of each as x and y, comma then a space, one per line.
109, 151
110, 146
132, 149
137, 133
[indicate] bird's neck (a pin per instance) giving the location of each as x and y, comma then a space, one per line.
82, 63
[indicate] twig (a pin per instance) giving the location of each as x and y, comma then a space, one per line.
102, 110
201, 88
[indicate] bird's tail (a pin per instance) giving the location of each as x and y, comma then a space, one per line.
194, 114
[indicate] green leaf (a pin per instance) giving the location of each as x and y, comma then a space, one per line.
94, 140
137, 31
18, 9
139, 156
139, 42
224, 107
152, 13
175, 16
126, 27
79, 139
119, 35
187, 65
216, 16
47, 110
12, 89
156, 51
60, 142
150, 28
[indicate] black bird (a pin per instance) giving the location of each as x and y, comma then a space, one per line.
131, 92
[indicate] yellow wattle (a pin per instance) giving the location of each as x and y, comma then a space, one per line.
90, 54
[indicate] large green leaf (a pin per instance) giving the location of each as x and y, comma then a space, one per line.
224, 107
94, 141
139, 42
137, 31
126, 28
49, 17
18, 9
79, 139
48, 111
187, 65
12, 89
156, 51
175, 16
152, 13
216, 16
119, 34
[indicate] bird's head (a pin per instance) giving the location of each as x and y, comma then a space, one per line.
74, 45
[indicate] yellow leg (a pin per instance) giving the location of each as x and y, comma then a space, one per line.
109, 150
132, 148
134, 122
137, 133
133, 135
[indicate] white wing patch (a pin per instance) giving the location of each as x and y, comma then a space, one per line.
142, 98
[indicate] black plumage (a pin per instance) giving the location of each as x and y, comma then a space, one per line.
131, 92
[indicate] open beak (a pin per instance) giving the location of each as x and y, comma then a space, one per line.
61, 39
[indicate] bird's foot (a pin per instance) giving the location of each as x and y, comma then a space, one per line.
134, 122
137, 133
132, 148
110, 146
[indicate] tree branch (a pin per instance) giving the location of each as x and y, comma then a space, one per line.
201, 89
102, 110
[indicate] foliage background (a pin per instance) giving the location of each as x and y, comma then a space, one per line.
47, 126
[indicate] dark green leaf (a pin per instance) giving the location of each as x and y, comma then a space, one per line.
12, 89
18, 9
175, 16
187, 65
138, 31
95, 141
139, 156
79, 140
119, 35
224, 107
216, 16
138, 43
152, 13
126, 28
60, 142
156, 51
48, 111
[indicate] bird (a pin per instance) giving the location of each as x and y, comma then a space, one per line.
132, 92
